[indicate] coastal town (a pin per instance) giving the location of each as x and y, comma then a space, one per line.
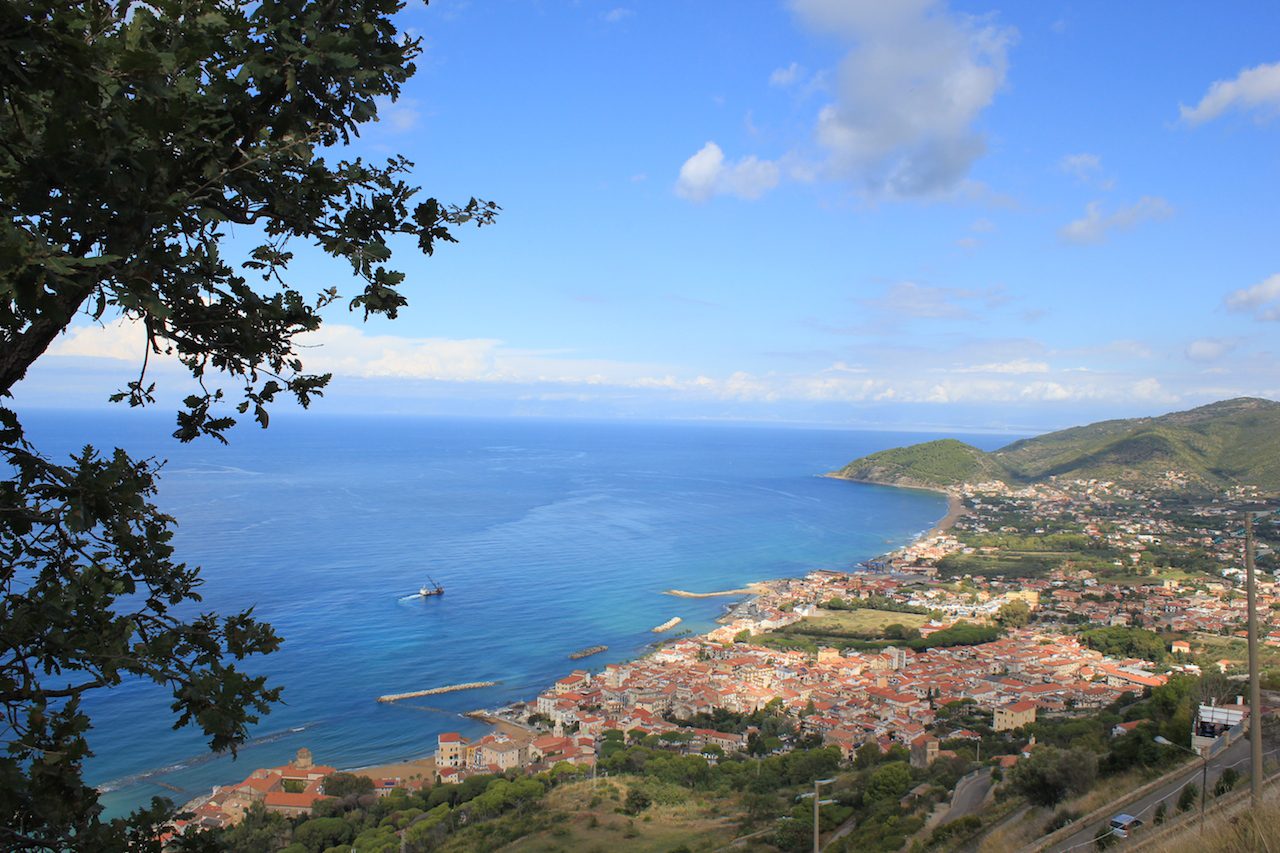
882, 656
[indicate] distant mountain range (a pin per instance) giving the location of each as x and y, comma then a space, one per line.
1231, 442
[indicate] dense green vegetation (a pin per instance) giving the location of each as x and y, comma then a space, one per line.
1225, 443
485, 812
872, 602
1122, 642
1050, 774
1222, 443
931, 464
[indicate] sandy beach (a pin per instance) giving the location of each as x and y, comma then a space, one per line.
955, 509
425, 767
749, 589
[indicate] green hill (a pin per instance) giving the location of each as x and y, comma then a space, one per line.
930, 465
1225, 443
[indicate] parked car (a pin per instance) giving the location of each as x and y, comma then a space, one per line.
1123, 824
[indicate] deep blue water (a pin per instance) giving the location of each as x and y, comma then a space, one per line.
549, 536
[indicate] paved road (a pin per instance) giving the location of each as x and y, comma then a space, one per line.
969, 795
1236, 755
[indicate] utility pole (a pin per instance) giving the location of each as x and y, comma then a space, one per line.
817, 803
1255, 687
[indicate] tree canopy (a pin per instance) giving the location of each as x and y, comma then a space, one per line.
132, 136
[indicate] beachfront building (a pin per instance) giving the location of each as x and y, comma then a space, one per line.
292, 789
497, 753
451, 750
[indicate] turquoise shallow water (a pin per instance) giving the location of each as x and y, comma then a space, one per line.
548, 536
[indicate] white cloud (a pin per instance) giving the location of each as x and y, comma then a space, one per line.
1256, 88
784, 77
120, 340
1045, 391
402, 116
706, 174
908, 93
614, 16
1017, 366
984, 372
352, 351
1209, 349
335, 348
398, 116
841, 367
349, 351
1151, 389
979, 226
1094, 225
909, 299
1126, 347
1262, 300
1080, 165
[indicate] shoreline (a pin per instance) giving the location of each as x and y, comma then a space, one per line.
955, 504
424, 766
955, 511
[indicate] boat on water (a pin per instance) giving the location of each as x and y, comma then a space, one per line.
430, 588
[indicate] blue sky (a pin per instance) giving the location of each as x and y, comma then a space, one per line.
833, 211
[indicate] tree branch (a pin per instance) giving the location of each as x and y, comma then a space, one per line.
21, 351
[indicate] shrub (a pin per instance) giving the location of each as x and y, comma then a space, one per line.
1060, 819
889, 782
1187, 798
637, 801
1051, 774
1226, 781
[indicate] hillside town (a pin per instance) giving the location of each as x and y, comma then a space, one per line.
1120, 560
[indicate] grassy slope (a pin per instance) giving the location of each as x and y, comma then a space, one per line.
860, 621
1233, 441
584, 817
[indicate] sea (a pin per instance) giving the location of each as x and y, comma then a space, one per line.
547, 536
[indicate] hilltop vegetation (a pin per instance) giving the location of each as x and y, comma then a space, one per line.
928, 465
1233, 442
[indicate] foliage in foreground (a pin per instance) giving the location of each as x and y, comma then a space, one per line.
132, 136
